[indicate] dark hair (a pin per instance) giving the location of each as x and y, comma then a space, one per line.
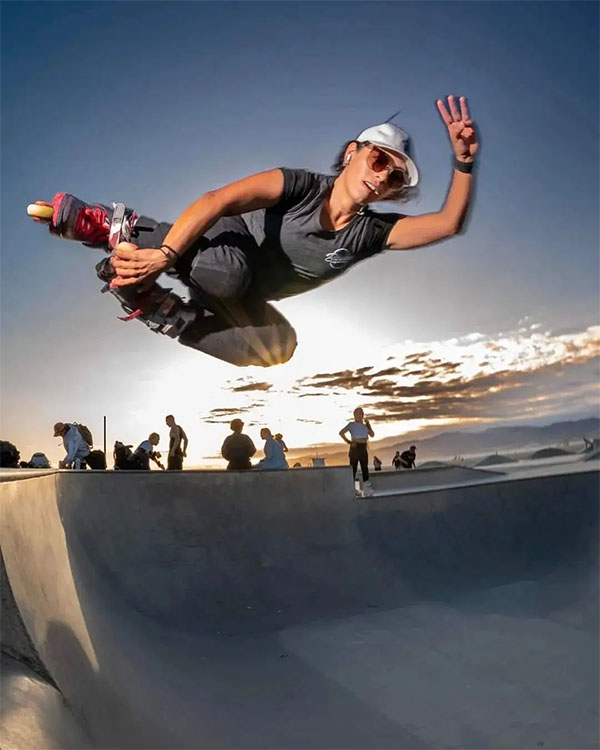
402, 195
338, 165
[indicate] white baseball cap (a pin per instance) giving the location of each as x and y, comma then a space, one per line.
395, 139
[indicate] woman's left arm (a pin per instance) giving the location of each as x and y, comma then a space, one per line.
416, 231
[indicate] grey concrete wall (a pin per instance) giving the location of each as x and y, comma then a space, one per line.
409, 478
153, 596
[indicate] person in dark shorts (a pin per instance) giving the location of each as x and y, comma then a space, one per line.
408, 458
178, 443
360, 431
237, 448
271, 235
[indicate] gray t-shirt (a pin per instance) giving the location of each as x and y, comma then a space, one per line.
294, 253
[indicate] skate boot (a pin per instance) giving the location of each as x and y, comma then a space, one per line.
160, 309
368, 490
72, 219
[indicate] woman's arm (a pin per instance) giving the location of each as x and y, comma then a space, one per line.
342, 434
257, 191
134, 265
416, 231
369, 428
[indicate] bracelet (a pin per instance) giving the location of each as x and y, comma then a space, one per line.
462, 166
168, 257
162, 248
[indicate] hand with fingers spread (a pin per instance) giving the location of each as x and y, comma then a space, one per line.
135, 266
461, 128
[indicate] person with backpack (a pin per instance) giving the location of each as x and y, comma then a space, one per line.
178, 443
74, 443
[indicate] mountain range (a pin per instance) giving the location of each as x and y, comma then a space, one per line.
453, 443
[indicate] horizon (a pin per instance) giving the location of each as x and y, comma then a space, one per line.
331, 451
499, 323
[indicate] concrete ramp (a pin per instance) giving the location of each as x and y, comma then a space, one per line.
275, 610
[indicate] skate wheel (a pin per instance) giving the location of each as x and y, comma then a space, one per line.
40, 212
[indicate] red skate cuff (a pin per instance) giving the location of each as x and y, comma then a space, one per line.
55, 206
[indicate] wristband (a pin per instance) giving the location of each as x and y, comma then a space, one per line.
163, 247
465, 167
168, 257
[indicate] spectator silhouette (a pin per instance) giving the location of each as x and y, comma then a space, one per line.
178, 443
274, 456
75, 445
360, 430
279, 438
237, 448
145, 452
407, 458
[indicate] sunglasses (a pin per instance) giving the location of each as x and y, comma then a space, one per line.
378, 160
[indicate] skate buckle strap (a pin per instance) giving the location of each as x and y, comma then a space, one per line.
132, 316
119, 226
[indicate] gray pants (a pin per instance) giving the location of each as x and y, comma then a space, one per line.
232, 323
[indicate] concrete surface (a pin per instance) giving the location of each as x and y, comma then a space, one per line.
386, 481
275, 610
33, 714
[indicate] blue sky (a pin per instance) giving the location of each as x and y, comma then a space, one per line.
155, 103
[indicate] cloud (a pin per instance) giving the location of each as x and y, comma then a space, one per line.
252, 387
474, 376
473, 379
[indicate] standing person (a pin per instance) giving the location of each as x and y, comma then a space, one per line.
178, 443
237, 448
360, 431
75, 445
145, 452
376, 463
397, 461
407, 458
271, 235
274, 457
279, 438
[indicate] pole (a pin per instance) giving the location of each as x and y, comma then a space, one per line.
104, 418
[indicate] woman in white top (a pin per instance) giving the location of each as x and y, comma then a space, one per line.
360, 430
274, 458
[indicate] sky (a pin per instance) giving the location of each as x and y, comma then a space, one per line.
155, 103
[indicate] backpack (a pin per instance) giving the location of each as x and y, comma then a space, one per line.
85, 433
9, 455
96, 459
124, 457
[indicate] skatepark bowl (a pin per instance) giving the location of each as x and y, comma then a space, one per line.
454, 609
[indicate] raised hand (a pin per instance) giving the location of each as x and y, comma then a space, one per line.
461, 128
